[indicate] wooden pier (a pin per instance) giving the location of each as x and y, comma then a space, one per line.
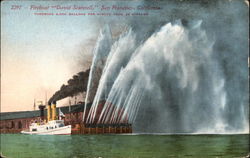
102, 129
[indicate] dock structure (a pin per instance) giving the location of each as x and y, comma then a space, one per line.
15, 122
102, 129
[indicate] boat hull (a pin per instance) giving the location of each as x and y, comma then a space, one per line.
66, 130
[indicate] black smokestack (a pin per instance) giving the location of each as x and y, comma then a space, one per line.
78, 83
41, 107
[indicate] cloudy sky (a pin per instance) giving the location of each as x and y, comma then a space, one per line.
39, 53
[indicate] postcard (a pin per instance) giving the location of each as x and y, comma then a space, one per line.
125, 79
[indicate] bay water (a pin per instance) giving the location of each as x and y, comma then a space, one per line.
124, 146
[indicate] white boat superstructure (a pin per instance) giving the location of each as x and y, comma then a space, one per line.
54, 127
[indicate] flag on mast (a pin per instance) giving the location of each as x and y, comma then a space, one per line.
61, 114
34, 106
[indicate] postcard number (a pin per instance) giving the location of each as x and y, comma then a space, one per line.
16, 7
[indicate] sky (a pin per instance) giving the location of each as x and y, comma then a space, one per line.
39, 53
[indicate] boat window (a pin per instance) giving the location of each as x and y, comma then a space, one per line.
60, 125
47, 128
55, 126
34, 129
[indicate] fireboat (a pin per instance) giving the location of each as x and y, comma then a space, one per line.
53, 126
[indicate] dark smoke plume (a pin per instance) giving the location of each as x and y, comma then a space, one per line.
77, 84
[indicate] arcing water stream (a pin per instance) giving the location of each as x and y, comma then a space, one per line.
168, 82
